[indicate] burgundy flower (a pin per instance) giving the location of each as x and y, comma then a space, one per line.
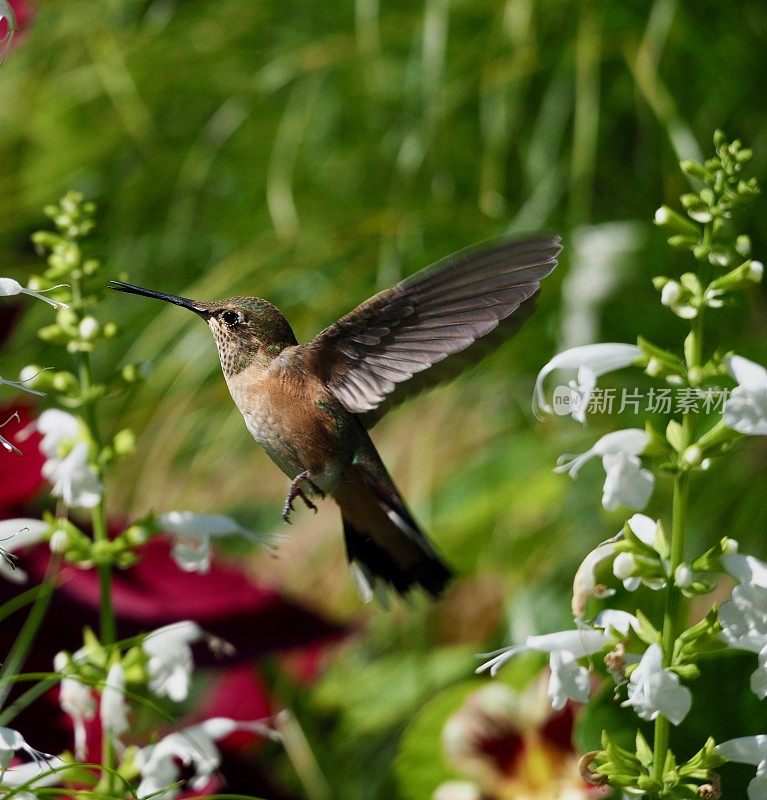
23, 11
225, 602
20, 476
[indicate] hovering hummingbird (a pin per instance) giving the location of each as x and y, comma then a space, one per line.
310, 405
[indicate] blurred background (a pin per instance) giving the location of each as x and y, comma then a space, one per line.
313, 153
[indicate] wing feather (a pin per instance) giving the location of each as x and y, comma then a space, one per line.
433, 314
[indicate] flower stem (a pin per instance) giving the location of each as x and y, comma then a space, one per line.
671, 610
98, 515
678, 530
107, 627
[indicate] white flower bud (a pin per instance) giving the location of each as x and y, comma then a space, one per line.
755, 271
89, 327
29, 373
654, 367
662, 215
624, 566
671, 294
683, 576
730, 546
59, 541
693, 455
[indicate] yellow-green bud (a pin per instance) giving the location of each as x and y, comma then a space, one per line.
124, 442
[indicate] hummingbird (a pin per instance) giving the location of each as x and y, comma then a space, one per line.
310, 405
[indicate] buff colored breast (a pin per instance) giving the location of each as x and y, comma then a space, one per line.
287, 417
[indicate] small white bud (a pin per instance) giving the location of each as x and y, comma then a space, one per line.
624, 566
683, 576
693, 455
661, 215
654, 367
89, 327
755, 271
59, 541
29, 373
730, 546
671, 294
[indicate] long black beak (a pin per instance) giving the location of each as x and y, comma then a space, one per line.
129, 288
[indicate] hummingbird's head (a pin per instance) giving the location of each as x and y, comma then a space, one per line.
247, 330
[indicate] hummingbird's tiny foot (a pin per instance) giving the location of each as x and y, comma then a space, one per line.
296, 491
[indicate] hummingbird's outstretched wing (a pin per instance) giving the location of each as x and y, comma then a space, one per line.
435, 313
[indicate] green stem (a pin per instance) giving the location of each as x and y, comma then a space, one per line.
671, 610
98, 515
108, 628
680, 502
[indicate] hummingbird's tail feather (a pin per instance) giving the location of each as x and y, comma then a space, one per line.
371, 562
383, 541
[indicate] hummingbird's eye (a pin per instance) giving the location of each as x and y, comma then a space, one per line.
230, 317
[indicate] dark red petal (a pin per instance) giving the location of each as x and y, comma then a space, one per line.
20, 477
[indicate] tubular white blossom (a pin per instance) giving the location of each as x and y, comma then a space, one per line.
195, 748
192, 534
15, 534
654, 691
76, 700
170, 661
568, 680
73, 478
749, 750
591, 361
9, 286
626, 481
745, 410
585, 581
113, 711
745, 569
19, 386
744, 627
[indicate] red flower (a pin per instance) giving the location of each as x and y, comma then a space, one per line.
224, 602
23, 11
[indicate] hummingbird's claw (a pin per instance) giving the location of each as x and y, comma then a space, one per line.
296, 491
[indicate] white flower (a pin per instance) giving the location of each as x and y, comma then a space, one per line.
749, 750
745, 569
591, 361
170, 658
9, 286
744, 627
42, 771
67, 466
195, 748
653, 690
11, 742
745, 410
73, 479
621, 621
192, 534
76, 700
585, 581
626, 482
15, 534
113, 711
19, 385
569, 680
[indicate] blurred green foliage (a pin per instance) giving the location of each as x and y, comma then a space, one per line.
313, 153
